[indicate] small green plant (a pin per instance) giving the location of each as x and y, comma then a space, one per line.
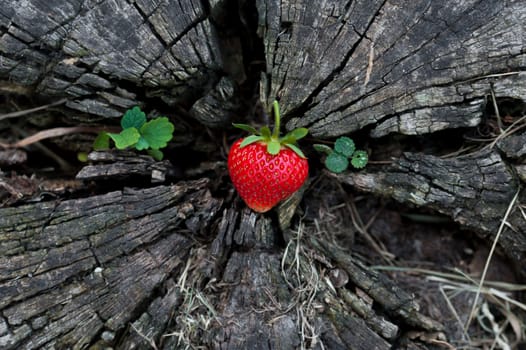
136, 132
338, 158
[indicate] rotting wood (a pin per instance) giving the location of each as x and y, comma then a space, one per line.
513, 146
280, 299
337, 66
393, 300
104, 66
74, 268
432, 65
474, 190
119, 165
123, 270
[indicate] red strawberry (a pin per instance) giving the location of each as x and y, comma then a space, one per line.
265, 168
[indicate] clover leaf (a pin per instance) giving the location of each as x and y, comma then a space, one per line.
102, 141
157, 132
345, 146
337, 159
126, 138
359, 159
336, 162
133, 118
137, 132
156, 154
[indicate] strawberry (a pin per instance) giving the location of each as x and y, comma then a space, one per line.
264, 168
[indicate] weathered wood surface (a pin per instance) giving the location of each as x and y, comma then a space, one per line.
125, 269
172, 265
70, 269
337, 66
474, 190
392, 66
409, 68
122, 165
107, 56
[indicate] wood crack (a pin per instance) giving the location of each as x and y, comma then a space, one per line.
308, 101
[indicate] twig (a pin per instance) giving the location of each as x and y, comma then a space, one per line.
459, 151
28, 111
55, 132
496, 107
362, 229
490, 255
454, 312
458, 276
508, 131
369, 65
496, 75
62, 163
142, 335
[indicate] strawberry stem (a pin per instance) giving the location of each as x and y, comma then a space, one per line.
277, 121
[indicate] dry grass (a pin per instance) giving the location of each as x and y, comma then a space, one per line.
196, 313
490, 256
486, 314
304, 281
499, 318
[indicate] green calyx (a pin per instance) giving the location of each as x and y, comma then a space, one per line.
272, 139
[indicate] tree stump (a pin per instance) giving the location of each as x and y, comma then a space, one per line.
186, 265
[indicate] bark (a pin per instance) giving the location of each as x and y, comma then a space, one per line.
71, 269
122, 165
391, 66
107, 56
127, 269
172, 265
474, 190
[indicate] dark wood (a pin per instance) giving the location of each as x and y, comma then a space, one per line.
172, 265
392, 66
264, 303
120, 268
71, 269
513, 146
109, 56
121, 165
474, 190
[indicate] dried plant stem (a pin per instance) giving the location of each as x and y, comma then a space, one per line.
496, 108
488, 260
32, 110
509, 130
50, 133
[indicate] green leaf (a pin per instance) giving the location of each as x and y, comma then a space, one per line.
295, 149
102, 141
156, 154
157, 132
336, 162
295, 135
322, 148
133, 118
142, 144
345, 146
359, 159
250, 139
246, 127
273, 147
265, 132
82, 157
126, 138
